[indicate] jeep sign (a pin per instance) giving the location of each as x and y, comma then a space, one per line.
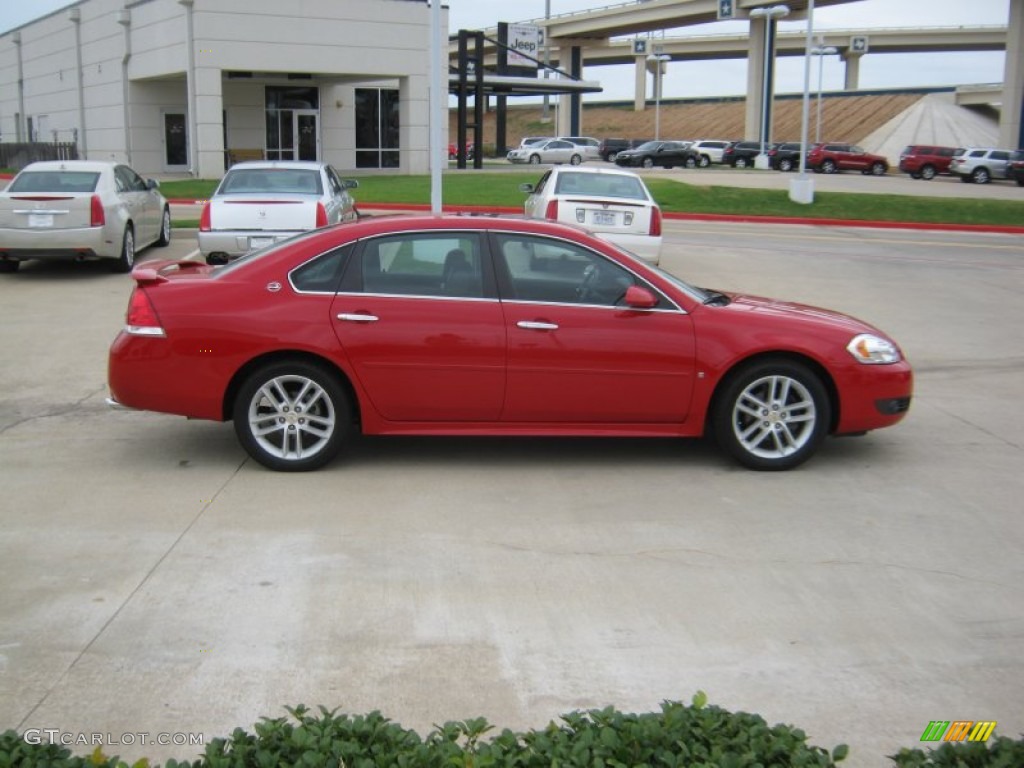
523, 39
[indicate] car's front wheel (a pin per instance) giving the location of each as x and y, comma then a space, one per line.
705, 161
165, 229
741, 162
772, 415
928, 172
575, 160
691, 162
785, 164
292, 416
648, 163
126, 260
534, 159
829, 166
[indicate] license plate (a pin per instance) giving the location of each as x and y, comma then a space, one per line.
40, 219
260, 242
604, 217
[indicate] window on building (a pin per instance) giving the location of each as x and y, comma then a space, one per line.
377, 128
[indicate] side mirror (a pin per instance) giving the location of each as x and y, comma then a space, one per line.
152, 184
527, 188
638, 297
349, 184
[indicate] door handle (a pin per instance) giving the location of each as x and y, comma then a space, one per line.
358, 317
536, 325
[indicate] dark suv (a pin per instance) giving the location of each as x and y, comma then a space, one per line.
832, 158
925, 161
785, 156
741, 154
608, 149
667, 154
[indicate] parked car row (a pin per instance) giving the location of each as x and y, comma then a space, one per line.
978, 165
563, 149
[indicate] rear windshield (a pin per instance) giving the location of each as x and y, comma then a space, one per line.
271, 181
600, 185
55, 181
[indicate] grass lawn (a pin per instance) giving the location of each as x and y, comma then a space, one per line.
502, 189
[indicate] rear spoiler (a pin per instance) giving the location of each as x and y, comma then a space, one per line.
155, 271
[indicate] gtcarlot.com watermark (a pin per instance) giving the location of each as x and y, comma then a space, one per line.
137, 738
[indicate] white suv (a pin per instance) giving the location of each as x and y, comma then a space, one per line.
709, 151
981, 165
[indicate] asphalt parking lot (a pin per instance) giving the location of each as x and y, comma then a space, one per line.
153, 579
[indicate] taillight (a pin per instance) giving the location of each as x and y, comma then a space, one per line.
552, 210
204, 219
141, 318
321, 215
97, 218
655, 222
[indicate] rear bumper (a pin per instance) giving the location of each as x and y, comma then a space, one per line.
236, 243
58, 244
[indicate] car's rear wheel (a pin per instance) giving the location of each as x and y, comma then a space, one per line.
878, 169
928, 172
534, 159
292, 416
741, 162
691, 162
785, 164
165, 229
9, 266
126, 260
648, 163
981, 176
829, 166
575, 160
772, 415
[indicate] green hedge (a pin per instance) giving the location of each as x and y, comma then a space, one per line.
694, 736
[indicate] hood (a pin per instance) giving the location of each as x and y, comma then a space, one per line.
788, 311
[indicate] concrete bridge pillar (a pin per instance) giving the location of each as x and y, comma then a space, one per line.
640, 84
852, 60
755, 80
1011, 121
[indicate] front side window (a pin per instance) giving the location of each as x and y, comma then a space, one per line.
445, 264
555, 271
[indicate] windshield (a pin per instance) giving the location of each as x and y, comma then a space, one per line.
649, 145
55, 181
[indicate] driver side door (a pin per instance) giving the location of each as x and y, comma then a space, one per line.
576, 354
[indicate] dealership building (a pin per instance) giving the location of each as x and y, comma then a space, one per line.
179, 86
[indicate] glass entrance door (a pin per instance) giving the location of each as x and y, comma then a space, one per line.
293, 134
307, 138
175, 141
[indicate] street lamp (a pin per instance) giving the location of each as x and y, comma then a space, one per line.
769, 15
658, 60
801, 189
821, 51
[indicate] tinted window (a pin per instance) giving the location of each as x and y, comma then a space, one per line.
977, 153
423, 264
55, 181
272, 180
554, 271
600, 184
1000, 154
323, 274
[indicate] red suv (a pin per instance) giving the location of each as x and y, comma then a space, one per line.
923, 161
832, 158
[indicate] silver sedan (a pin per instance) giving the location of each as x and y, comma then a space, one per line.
78, 210
551, 151
260, 202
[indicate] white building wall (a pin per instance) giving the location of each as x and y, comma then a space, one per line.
343, 44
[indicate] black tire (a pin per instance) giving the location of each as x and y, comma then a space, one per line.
771, 415
165, 229
611, 157
829, 166
271, 397
741, 162
1020, 181
691, 162
534, 159
927, 172
981, 176
915, 175
10, 266
575, 160
785, 164
126, 260
704, 161
878, 168
647, 163
966, 179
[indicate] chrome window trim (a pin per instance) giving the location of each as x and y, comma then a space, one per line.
613, 307
417, 296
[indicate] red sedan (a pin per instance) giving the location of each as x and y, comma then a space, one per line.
488, 326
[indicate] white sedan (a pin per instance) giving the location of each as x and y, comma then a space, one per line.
258, 203
79, 210
550, 151
614, 205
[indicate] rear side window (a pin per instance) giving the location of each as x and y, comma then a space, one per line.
55, 181
977, 153
322, 274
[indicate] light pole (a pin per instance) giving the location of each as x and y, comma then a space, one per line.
546, 114
801, 189
769, 15
821, 51
658, 60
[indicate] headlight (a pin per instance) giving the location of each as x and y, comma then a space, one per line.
873, 350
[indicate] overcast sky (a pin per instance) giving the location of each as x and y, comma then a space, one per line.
684, 79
